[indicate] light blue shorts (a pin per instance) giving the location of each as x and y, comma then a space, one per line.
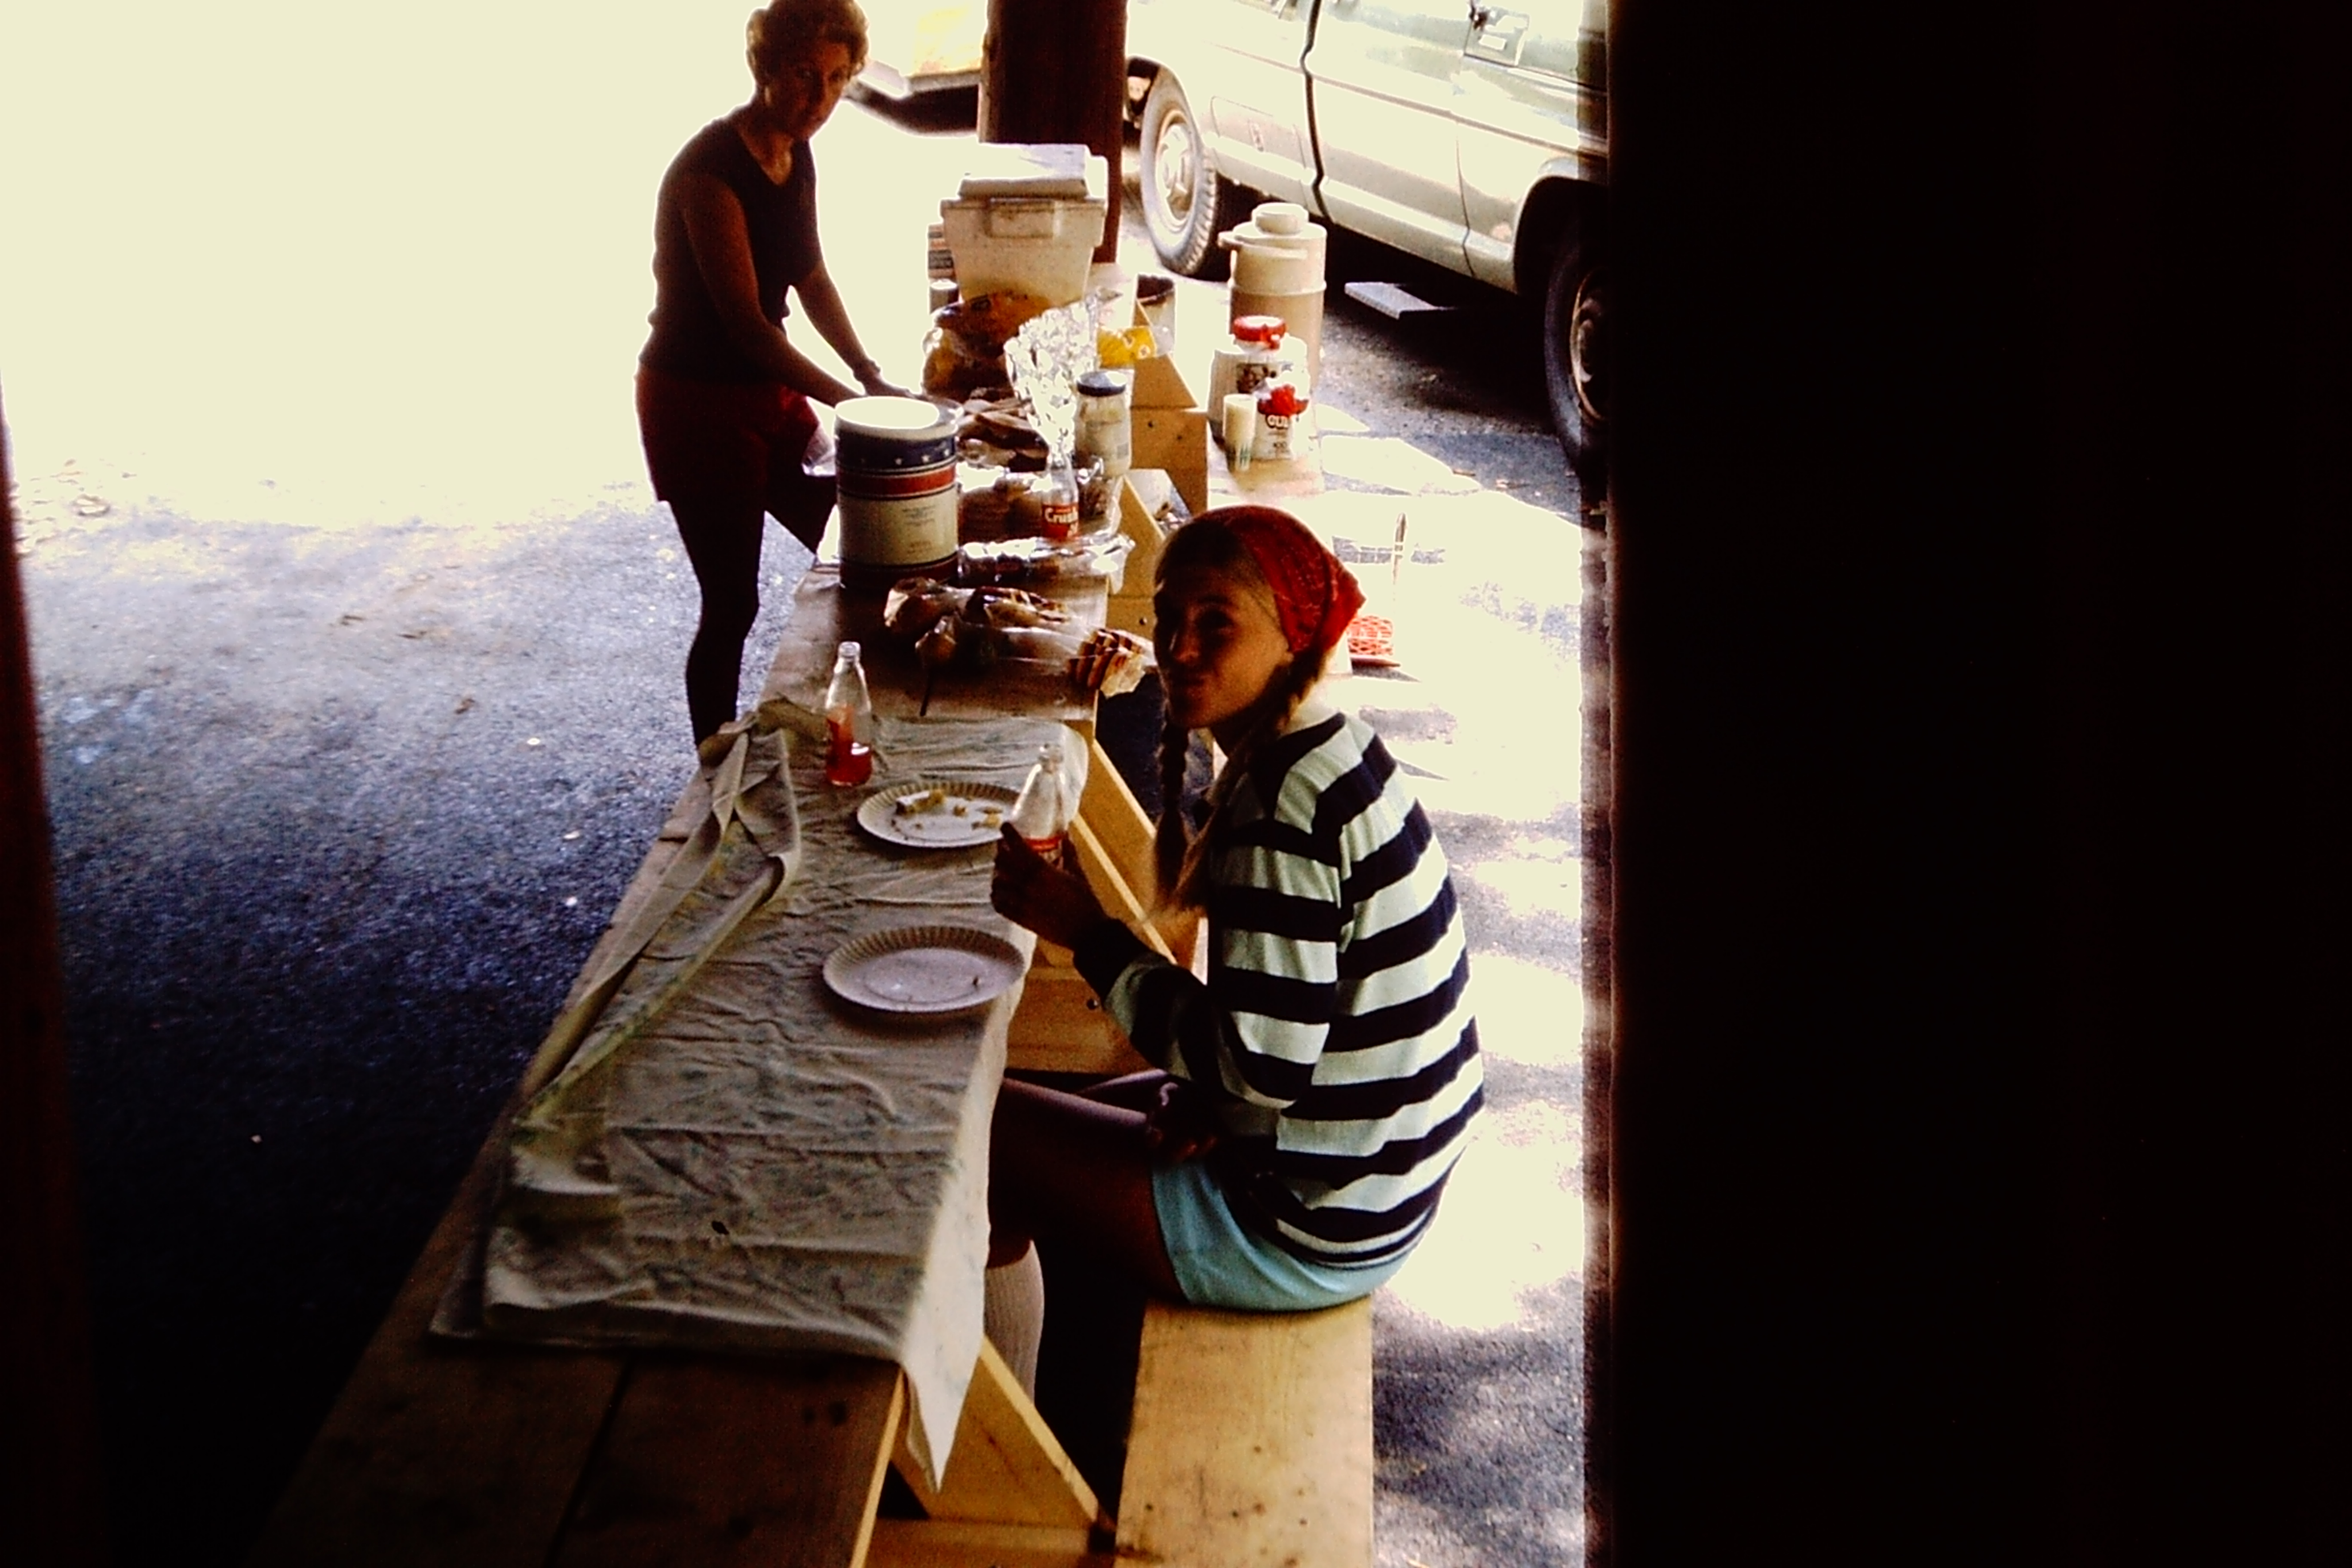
1219, 1262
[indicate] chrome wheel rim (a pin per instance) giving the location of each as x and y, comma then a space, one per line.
1587, 366
1171, 167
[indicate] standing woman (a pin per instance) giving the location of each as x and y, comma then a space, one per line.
1317, 1089
722, 396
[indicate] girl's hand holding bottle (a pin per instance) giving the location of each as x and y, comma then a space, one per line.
1031, 890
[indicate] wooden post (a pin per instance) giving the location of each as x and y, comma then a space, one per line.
1056, 70
51, 1504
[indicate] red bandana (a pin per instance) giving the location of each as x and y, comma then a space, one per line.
1313, 595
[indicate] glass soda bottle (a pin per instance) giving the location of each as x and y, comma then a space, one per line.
1059, 499
1041, 814
848, 720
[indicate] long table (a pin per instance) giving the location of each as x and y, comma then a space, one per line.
497, 1452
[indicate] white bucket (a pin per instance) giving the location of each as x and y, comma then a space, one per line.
897, 466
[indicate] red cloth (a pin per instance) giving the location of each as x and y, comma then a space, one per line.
1313, 595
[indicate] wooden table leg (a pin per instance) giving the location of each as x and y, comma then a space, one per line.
1010, 1497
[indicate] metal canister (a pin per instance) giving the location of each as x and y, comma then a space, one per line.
898, 486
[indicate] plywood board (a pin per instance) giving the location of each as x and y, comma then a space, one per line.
724, 1462
1060, 1027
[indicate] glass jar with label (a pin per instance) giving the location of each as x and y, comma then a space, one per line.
1103, 428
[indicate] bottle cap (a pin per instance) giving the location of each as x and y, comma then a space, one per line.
1279, 217
1102, 383
849, 649
1266, 330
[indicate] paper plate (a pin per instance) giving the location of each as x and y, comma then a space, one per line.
937, 814
923, 969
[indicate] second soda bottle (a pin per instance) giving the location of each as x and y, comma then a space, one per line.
1041, 814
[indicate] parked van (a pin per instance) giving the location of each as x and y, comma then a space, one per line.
1473, 135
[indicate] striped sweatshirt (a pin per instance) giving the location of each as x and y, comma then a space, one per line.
1334, 1028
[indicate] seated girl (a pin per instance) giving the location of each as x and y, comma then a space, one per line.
1316, 1091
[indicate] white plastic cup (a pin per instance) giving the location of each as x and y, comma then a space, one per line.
1237, 423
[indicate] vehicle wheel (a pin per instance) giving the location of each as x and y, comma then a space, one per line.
1576, 360
1185, 204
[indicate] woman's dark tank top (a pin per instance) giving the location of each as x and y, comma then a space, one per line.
688, 339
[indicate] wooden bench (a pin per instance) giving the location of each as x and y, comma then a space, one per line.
1251, 1444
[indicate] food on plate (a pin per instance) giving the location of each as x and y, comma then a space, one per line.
993, 431
1110, 662
941, 801
921, 805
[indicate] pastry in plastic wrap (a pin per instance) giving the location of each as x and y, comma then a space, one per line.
969, 629
1024, 562
964, 351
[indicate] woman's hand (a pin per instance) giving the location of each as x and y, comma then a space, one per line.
877, 385
1031, 890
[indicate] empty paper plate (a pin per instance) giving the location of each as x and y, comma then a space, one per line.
923, 969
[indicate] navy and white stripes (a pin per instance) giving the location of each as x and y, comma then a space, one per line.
1335, 1023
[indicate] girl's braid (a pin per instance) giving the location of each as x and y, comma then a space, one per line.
1183, 858
1170, 839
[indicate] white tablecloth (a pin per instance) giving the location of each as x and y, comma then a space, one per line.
735, 1159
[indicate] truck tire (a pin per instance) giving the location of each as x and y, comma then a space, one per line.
1185, 204
1576, 360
